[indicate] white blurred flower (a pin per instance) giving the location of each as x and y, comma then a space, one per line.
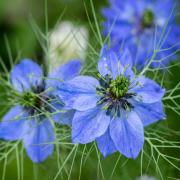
145, 177
67, 41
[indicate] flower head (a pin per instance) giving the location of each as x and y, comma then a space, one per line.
67, 41
144, 26
114, 108
35, 97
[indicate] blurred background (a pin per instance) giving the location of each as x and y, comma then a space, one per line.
19, 39
16, 22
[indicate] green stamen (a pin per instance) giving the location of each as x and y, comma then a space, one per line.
148, 18
29, 99
119, 86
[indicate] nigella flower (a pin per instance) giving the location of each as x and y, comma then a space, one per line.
67, 41
143, 26
114, 108
36, 104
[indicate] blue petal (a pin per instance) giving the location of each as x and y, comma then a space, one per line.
126, 58
128, 135
26, 75
105, 144
64, 117
148, 90
89, 125
60, 113
79, 93
123, 26
64, 73
108, 63
150, 113
38, 140
165, 9
13, 124
114, 62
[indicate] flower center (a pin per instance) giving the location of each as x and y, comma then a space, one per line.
148, 18
34, 101
29, 99
114, 95
119, 86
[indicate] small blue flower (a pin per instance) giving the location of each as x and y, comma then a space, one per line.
114, 108
143, 26
36, 96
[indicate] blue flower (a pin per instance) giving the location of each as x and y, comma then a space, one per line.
35, 97
143, 26
114, 108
